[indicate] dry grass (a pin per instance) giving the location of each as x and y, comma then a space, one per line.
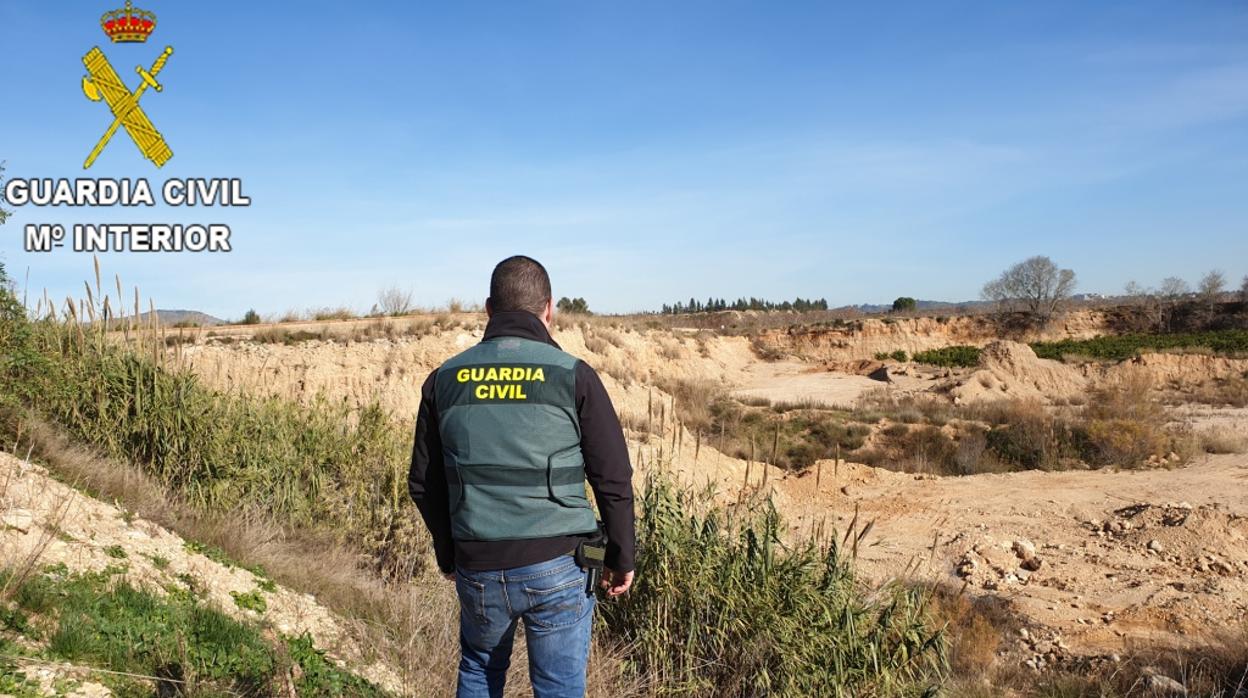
1126, 424
672, 350
341, 313
975, 626
280, 335
596, 344
1230, 392
1222, 440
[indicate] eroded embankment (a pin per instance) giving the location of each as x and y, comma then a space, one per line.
863, 339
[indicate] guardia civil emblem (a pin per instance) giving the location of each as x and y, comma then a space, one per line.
126, 26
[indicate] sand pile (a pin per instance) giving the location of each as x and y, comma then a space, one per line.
1012, 371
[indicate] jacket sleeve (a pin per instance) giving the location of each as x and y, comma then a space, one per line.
426, 481
606, 466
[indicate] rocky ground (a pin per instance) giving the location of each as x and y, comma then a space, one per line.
1094, 562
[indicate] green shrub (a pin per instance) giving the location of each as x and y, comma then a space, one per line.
957, 356
899, 356
904, 304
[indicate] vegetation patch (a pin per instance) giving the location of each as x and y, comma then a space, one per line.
1122, 425
250, 601
1126, 346
721, 608
181, 645
957, 356
791, 436
322, 466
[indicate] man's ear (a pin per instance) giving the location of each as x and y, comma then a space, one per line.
489, 309
548, 316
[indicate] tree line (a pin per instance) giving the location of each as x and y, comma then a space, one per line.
714, 305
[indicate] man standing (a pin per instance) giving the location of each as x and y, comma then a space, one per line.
508, 433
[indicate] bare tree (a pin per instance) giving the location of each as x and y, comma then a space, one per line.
1243, 291
1135, 291
394, 301
1173, 288
1036, 283
1212, 285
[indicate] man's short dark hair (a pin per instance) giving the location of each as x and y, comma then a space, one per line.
519, 283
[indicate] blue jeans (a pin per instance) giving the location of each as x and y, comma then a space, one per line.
558, 615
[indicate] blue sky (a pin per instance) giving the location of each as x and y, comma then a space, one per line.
648, 152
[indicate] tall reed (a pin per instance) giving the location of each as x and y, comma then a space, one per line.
722, 608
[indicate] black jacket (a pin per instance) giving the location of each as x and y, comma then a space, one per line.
607, 469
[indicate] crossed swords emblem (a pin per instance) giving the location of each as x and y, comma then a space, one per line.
103, 83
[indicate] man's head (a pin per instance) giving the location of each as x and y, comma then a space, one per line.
520, 283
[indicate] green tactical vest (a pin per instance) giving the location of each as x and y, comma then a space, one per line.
511, 441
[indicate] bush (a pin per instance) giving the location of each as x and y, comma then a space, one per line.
251, 317
1126, 425
899, 356
949, 357
1027, 437
721, 608
904, 304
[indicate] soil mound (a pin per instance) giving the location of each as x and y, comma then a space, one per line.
1012, 371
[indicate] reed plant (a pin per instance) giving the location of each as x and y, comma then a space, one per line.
723, 608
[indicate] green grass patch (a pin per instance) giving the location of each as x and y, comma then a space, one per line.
251, 601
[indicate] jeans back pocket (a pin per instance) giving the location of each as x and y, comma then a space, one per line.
558, 600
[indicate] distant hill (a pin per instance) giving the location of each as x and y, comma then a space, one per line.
183, 317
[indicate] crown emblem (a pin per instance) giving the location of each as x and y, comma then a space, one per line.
128, 25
